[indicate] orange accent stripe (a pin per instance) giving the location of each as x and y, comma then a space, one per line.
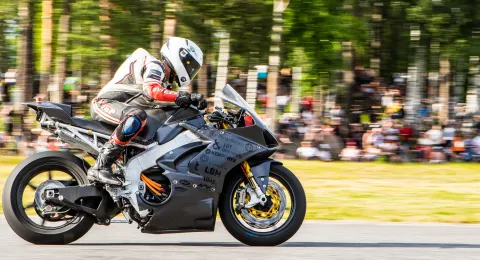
104, 115
130, 73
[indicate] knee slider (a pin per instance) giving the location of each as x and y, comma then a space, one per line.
132, 125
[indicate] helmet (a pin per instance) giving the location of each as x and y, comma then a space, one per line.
184, 57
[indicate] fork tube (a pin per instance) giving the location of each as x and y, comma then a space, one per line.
248, 173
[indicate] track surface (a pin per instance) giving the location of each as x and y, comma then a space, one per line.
315, 240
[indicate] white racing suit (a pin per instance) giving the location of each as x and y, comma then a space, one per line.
139, 81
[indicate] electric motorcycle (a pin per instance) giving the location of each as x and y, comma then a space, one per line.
182, 169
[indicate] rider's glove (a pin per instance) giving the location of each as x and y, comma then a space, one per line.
185, 99
202, 104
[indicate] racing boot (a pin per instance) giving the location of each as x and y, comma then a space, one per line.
101, 171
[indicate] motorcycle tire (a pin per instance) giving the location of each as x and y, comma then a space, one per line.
12, 201
271, 238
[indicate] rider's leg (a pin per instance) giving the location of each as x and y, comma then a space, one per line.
131, 122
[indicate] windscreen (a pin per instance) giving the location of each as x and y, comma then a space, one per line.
228, 94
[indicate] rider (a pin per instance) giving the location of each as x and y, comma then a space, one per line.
142, 82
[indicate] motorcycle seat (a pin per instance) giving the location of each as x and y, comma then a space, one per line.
95, 126
155, 118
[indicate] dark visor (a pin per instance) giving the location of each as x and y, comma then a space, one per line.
190, 64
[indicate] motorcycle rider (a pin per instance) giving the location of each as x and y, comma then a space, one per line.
121, 103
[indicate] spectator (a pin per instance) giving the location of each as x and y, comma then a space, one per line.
307, 151
435, 135
351, 152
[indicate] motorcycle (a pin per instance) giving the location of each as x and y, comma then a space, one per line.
176, 174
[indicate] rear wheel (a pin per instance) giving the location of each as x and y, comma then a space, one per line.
25, 208
268, 225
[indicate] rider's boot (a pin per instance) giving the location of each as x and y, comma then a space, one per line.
128, 128
101, 171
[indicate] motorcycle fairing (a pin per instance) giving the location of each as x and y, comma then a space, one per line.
225, 152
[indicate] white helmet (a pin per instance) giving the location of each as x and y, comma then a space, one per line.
184, 57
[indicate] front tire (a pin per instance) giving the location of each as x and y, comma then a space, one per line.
257, 237
19, 180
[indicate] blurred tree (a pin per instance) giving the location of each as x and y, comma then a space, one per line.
46, 45
25, 51
107, 42
170, 22
84, 41
7, 23
61, 58
158, 12
318, 28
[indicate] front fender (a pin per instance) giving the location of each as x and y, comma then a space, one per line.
261, 171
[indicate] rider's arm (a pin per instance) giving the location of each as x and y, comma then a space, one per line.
154, 79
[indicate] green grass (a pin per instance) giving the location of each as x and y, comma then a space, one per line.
378, 191
390, 192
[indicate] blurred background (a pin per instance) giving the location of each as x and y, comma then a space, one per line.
356, 80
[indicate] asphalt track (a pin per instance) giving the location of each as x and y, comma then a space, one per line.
315, 240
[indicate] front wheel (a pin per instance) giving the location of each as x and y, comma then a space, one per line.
268, 225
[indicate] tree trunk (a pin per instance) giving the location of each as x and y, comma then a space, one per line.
274, 61
444, 89
61, 60
106, 67
25, 54
222, 67
46, 54
376, 39
202, 78
156, 29
170, 20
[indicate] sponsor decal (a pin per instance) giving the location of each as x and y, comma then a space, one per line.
214, 153
184, 182
231, 141
196, 166
231, 159
250, 147
212, 171
208, 179
204, 186
204, 158
178, 188
218, 154
215, 145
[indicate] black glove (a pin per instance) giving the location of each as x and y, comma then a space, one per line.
185, 99
202, 104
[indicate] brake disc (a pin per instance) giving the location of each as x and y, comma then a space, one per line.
43, 207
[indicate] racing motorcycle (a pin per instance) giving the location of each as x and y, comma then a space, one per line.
181, 169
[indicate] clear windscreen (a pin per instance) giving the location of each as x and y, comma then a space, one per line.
229, 95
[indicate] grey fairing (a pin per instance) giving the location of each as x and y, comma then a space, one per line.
189, 208
169, 130
225, 152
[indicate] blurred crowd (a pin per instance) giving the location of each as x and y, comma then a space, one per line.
390, 140
374, 125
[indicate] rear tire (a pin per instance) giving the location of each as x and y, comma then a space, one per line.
17, 219
271, 238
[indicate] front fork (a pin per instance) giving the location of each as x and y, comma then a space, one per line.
249, 175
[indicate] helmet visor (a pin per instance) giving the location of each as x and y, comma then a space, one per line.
191, 65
